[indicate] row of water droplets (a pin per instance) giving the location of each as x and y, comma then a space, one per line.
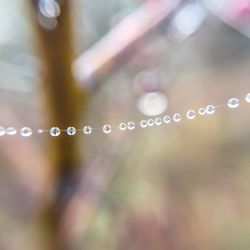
107, 128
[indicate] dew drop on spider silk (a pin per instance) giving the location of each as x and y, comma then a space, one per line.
2, 131
40, 131
158, 121
122, 126
143, 123
247, 97
191, 114
177, 117
131, 125
71, 131
151, 122
11, 131
166, 119
87, 130
233, 103
55, 131
107, 129
202, 111
26, 132
210, 109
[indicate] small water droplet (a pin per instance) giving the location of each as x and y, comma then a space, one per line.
191, 114
71, 131
122, 126
2, 131
40, 131
177, 117
26, 132
247, 98
151, 122
11, 131
143, 123
107, 129
87, 130
210, 109
55, 131
202, 111
166, 119
233, 103
158, 121
131, 125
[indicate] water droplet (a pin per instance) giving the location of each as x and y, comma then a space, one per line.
151, 122
202, 111
122, 126
177, 117
143, 123
210, 109
131, 125
247, 98
233, 103
87, 130
47, 23
191, 114
2, 131
40, 131
55, 131
167, 119
187, 21
107, 129
71, 131
152, 103
158, 121
26, 132
11, 131
49, 8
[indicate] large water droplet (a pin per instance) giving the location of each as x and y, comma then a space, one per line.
210, 109
107, 129
55, 131
26, 132
2, 131
152, 104
131, 125
11, 131
233, 103
187, 21
177, 117
49, 8
71, 131
122, 126
191, 114
247, 98
143, 123
166, 119
87, 130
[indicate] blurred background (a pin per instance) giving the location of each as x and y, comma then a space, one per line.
177, 186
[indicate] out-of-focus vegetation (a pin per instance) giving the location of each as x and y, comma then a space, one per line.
179, 186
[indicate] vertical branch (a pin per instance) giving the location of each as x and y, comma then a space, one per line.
63, 96
63, 101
